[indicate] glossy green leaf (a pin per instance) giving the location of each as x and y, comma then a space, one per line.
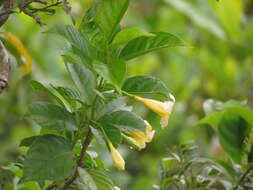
109, 15
113, 73
123, 120
51, 117
127, 35
84, 81
49, 158
117, 70
145, 85
232, 131
95, 179
146, 44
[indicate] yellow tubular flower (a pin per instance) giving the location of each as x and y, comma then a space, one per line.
143, 138
27, 66
163, 109
116, 157
149, 132
139, 137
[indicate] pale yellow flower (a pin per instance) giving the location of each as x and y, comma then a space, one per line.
143, 138
116, 157
163, 109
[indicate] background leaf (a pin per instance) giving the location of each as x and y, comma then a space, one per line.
199, 17
232, 132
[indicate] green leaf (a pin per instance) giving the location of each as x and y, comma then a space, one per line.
243, 112
69, 94
113, 73
103, 70
38, 86
113, 134
74, 55
212, 119
146, 44
109, 14
14, 168
117, 70
145, 85
95, 179
28, 141
51, 117
49, 158
232, 131
127, 35
91, 30
117, 105
93, 34
199, 17
123, 120
84, 81
74, 37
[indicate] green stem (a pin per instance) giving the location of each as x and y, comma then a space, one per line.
127, 94
74, 175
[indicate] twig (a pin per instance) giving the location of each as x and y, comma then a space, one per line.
37, 19
6, 12
72, 178
7, 6
34, 10
243, 178
51, 186
6, 67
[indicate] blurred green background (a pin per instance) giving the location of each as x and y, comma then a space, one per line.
216, 65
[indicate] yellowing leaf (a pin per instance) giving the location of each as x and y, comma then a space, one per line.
14, 40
